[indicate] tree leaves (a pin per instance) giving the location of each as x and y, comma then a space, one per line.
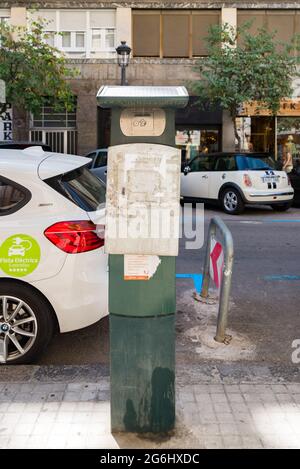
243, 67
33, 71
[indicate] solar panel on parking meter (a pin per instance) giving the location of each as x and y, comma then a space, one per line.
142, 225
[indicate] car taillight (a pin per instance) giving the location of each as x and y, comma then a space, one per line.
247, 180
75, 237
289, 180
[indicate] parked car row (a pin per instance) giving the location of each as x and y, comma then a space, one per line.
231, 180
236, 179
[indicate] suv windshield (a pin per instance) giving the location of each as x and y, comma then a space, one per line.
81, 187
255, 163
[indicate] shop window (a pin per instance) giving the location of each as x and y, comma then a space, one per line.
195, 141
257, 134
288, 132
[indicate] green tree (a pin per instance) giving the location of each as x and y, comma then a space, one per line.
34, 72
242, 67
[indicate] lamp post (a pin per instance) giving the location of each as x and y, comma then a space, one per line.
123, 51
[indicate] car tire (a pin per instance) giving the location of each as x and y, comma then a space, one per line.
23, 342
281, 207
231, 201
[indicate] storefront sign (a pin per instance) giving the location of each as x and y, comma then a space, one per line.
288, 107
6, 124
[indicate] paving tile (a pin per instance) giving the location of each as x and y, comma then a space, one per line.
279, 388
229, 429
4, 441
232, 388
213, 442
232, 442
23, 429
37, 442
225, 417
218, 397
251, 442
222, 407
18, 442
77, 415
56, 442
216, 388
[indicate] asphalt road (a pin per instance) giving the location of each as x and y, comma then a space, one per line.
265, 294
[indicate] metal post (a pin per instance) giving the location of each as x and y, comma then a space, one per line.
123, 75
215, 223
226, 283
205, 284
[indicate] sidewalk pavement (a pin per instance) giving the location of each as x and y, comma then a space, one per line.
229, 406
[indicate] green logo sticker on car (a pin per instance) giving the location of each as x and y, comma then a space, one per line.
19, 255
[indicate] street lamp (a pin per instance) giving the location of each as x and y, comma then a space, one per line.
123, 51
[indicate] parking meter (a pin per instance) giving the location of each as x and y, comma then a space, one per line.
142, 231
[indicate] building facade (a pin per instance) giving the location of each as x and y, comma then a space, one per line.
167, 40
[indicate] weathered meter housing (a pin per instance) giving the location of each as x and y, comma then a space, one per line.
143, 174
144, 114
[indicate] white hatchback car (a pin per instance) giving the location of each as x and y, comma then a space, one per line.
53, 269
236, 179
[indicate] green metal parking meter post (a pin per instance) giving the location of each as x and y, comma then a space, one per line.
142, 311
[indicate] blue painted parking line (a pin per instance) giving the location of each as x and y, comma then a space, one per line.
282, 277
282, 221
197, 278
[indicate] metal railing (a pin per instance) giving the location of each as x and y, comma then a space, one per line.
215, 223
61, 141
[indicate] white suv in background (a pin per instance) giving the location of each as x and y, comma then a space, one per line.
236, 179
53, 269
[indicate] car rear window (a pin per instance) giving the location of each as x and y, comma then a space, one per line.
81, 187
255, 162
12, 196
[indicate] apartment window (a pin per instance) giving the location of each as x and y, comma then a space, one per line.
4, 18
50, 38
103, 39
89, 33
73, 40
286, 23
172, 33
175, 34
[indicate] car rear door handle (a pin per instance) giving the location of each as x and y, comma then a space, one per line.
205, 176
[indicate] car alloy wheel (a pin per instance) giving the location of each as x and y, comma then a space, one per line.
18, 328
230, 201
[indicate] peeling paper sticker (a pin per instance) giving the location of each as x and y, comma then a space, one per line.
140, 267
